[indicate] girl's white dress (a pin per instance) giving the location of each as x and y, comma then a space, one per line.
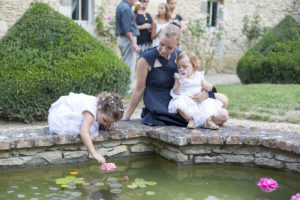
65, 115
158, 28
199, 112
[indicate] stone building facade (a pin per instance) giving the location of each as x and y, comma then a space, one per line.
230, 12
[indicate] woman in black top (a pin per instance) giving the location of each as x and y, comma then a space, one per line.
144, 22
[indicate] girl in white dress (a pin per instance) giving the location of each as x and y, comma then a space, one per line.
190, 81
162, 20
82, 114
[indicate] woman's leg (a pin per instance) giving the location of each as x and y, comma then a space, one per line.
221, 97
221, 118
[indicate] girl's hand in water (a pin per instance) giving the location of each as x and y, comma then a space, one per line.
99, 157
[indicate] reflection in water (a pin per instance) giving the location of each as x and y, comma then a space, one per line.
173, 182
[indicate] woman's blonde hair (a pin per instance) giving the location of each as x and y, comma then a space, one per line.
172, 31
192, 58
168, 13
111, 105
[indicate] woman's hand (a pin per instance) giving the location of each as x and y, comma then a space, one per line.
199, 97
99, 157
146, 26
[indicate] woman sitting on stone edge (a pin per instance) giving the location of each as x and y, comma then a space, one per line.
155, 79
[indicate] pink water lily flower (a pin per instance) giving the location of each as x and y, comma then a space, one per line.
109, 18
108, 167
296, 197
267, 184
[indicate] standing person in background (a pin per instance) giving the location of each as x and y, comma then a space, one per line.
162, 19
127, 31
144, 22
175, 17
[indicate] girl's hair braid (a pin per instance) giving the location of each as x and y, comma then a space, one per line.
111, 104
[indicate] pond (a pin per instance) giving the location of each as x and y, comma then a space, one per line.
150, 177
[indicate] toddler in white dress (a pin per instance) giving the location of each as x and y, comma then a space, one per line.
188, 82
82, 114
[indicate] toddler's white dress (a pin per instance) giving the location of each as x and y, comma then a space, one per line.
65, 115
199, 112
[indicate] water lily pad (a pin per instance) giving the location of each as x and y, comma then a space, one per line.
132, 186
115, 185
76, 194
112, 179
115, 190
99, 184
91, 187
139, 179
150, 193
150, 183
94, 180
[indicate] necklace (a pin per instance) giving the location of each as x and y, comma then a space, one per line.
145, 16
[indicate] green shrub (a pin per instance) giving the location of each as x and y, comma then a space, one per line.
275, 58
46, 55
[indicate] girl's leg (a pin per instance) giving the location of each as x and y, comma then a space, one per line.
221, 97
184, 116
209, 124
221, 118
191, 123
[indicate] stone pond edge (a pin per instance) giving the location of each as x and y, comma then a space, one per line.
228, 145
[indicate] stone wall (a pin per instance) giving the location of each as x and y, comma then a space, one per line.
228, 145
230, 49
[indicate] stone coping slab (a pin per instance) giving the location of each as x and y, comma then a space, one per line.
178, 136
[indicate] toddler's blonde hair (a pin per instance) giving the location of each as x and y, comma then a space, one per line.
192, 58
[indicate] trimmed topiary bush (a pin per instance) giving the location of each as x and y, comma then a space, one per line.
275, 58
46, 55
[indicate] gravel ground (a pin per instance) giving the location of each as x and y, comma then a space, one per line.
210, 77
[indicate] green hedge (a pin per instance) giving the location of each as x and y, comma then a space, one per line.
275, 58
46, 55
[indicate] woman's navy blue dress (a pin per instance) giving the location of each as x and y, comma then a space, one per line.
159, 82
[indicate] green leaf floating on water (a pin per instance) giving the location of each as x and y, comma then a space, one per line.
99, 184
139, 182
112, 179
150, 193
132, 186
151, 183
71, 180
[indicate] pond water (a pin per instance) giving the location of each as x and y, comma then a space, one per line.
153, 177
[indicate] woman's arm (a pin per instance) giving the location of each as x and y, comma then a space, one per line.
86, 137
153, 33
200, 96
141, 73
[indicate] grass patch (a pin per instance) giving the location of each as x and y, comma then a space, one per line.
264, 102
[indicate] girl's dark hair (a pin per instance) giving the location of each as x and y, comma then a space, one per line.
111, 105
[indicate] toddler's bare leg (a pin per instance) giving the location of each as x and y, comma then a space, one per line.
187, 118
221, 118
